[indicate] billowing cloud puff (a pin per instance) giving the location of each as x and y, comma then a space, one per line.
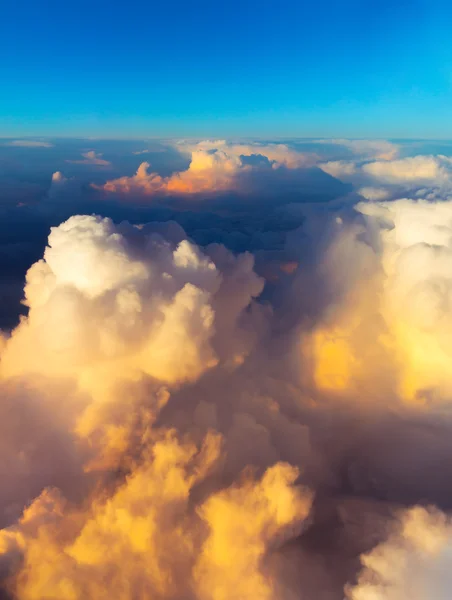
277, 154
339, 168
215, 166
57, 185
417, 256
418, 177
136, 302
413, 563
124, 316
414, 176
416, 169
399, 288
208, 171
144, 541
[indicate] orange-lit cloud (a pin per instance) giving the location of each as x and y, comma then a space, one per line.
394, 313
215, 166
170, 431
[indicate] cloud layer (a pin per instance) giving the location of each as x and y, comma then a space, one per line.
180, 421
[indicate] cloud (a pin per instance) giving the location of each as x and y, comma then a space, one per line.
29, 144
374, 193
58, 179
339, 168
393, 277
137, 303
207, 172
277, 154
421, 176
214, 167
176, 427
91, 158
414, 562
412, 169
128, 316
376, 149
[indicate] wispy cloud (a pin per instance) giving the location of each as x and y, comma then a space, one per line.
377, 149
149, 151
29, 144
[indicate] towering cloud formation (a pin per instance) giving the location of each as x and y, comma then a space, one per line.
124, 301
200, 438
399, 290
215, 166
125, 311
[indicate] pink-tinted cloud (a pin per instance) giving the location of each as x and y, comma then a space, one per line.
91, 158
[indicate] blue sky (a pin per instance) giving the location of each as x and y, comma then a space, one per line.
204, 68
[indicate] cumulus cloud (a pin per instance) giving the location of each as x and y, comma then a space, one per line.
91, 158
207, 172
413, 176
277, 154
339, 168
58, 182
109, 277
412, 169
214, 166
144, 313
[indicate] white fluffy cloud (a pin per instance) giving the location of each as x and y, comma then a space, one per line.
416, 169
418, 177
103, 296
413, 563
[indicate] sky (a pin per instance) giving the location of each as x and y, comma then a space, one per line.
248, 68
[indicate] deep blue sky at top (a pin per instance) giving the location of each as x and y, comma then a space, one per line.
355, 68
